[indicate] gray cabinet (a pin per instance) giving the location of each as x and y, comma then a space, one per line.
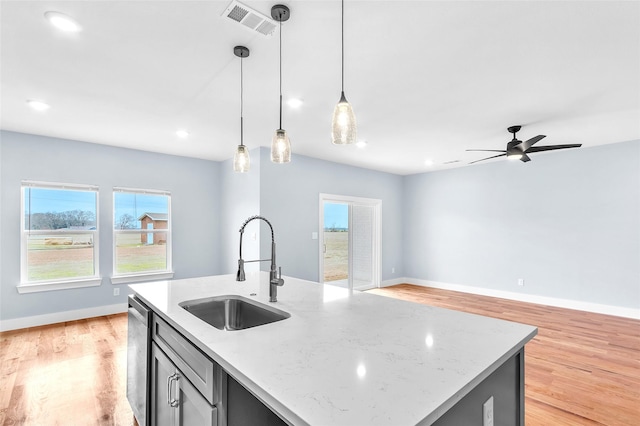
189, 388
162, 370
174, 400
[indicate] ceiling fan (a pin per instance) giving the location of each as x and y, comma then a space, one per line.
518, 150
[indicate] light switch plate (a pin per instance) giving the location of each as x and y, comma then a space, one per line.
487, 412
314, 235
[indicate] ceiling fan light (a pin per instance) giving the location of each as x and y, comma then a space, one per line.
280, 147
514, 156
343, 125
241, 160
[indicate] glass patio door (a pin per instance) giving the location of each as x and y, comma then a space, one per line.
335, 248
350, 241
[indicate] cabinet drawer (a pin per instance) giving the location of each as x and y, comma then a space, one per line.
201, 371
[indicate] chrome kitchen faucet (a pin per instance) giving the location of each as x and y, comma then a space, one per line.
275, 277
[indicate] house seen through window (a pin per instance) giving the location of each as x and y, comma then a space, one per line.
59, 232
142, 231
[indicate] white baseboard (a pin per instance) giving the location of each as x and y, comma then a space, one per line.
395, 281
56, 317
530, 298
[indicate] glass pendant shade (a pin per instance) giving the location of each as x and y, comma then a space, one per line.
343, 125
280, 147
241, 160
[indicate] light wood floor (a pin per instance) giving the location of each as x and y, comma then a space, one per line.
64, 374
581, 369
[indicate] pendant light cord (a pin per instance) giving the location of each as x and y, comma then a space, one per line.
342, 46
241, 103
280, 70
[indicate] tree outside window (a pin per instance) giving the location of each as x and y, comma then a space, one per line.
142, 231
59, 232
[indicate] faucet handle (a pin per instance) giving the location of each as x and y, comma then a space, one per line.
279, 281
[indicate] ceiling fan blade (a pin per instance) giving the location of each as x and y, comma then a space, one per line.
489, 158
552, 147
487, 150
529, 143
525, 158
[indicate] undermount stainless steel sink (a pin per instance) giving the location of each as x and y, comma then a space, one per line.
233, 312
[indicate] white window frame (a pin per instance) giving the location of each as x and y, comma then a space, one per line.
142, 276
26, 286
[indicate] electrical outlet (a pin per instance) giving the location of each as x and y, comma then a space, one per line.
521, 282
487, 412
393, 270
116, 291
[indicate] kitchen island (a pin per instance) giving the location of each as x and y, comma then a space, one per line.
352, 358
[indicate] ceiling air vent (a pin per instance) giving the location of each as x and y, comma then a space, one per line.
250, 18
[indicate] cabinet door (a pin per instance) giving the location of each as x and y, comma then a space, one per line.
193, 408
162, 369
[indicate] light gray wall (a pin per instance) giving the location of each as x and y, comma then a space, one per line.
240, 199
567, 222
289, 198
195, 193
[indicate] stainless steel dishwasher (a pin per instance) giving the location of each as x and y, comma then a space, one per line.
138, 352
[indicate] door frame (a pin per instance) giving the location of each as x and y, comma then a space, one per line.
377, 234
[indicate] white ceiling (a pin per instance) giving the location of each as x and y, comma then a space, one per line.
427, 79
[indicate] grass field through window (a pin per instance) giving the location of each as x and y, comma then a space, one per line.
134, 256
52, 257
58, 256
336, 258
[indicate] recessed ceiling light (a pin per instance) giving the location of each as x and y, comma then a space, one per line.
38, 105
295, 102
428, 162
361, 144
182, 134
63, 22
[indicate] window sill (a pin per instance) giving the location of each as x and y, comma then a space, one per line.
58, 285
136, 278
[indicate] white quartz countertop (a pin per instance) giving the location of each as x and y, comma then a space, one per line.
344, 358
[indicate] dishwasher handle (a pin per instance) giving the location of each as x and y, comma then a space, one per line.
139, 310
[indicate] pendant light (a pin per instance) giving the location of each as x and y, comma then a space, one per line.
343, 125
280, 144
241, 160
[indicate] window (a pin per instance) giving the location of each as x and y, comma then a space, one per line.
141, 235
59, 230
